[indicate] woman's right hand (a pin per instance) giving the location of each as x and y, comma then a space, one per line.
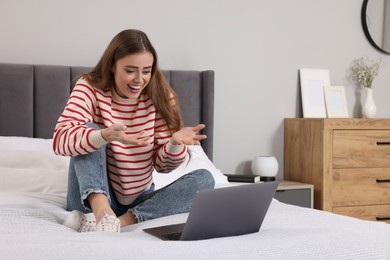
117, 133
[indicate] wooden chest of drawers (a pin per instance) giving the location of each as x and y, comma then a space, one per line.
347, 161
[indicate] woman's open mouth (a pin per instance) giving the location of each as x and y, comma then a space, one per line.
138, 87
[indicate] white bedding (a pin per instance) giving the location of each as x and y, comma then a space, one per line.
32, 202
31, 228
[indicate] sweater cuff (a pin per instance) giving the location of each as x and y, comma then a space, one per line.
175, 148
96, 139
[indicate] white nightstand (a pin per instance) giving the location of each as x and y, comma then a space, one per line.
295, 193
291, 192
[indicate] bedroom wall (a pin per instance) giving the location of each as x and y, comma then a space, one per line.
255, 47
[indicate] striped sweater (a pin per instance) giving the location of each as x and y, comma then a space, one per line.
129, 167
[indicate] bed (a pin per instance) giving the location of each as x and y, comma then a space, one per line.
33, 188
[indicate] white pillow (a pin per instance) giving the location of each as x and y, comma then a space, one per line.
45, 159
18, 143
30, 165
49, 181
197, 160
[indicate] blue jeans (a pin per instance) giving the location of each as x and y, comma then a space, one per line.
88, 174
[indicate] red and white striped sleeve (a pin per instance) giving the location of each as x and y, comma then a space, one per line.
167, 156
71, 136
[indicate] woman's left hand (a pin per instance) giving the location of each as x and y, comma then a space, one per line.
188, 135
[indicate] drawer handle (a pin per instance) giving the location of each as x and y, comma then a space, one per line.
384, 180
382, 219
382, 143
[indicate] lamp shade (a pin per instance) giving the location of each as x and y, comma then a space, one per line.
265, 166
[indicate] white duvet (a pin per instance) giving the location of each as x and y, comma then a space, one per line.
30, 228
32, 201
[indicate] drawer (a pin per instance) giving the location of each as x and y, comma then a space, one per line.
361, 148
361, 186
373, 213
298, 197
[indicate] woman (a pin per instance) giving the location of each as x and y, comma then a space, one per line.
122, 121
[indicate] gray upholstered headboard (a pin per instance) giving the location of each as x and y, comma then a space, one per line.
33, 96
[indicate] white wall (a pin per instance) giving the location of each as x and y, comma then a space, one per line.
255, 47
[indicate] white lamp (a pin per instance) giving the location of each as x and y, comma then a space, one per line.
265, 166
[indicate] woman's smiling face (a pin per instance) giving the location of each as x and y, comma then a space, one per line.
132, 74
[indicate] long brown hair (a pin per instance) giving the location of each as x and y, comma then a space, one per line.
160, 92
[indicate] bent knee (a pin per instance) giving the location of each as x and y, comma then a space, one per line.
204, 179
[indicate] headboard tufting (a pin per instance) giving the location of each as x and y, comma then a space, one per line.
33, 96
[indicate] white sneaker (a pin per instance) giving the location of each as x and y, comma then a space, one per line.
109, 224
80, 222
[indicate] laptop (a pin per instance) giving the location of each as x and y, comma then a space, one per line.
229, 211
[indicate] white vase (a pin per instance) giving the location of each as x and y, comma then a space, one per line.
369, 107
265, 166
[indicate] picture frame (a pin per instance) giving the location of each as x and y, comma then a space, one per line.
336, 102
312, 82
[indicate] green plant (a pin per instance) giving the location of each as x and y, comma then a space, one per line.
364, 70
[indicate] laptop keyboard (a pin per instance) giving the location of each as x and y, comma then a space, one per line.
172, 236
